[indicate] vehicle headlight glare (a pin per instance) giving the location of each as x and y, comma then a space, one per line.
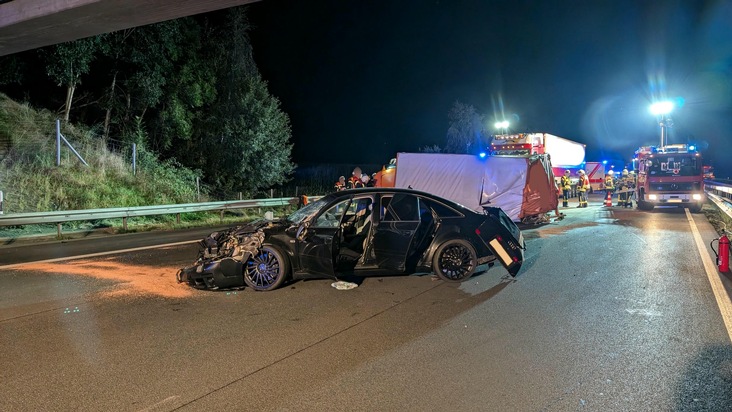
652, 197
696, 196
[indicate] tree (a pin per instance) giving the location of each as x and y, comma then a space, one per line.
431, 149
67, 62
466, 132
246, 130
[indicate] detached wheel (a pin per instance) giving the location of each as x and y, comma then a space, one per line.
266, 270
455, 260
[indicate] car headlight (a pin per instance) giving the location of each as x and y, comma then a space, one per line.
652, 197
696, 196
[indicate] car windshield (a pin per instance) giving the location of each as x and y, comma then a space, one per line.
310, 209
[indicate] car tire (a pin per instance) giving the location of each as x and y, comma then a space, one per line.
267, 269
455, 260
696, 208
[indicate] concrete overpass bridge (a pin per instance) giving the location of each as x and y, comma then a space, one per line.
30, 24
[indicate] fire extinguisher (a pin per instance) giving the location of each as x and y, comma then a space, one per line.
723, 255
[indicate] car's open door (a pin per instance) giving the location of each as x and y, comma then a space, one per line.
320, 244
395, 236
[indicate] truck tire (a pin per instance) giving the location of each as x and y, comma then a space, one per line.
696, 208
645, 205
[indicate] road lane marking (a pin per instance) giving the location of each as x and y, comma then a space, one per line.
111, 252
161, 403
720, 294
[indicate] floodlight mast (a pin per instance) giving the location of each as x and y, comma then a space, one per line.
661, 109
502, 125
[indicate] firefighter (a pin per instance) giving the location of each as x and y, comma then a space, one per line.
629, 184
566, 186
366, 181
354, 181
582, 187
623, 189
340, 184
609, 186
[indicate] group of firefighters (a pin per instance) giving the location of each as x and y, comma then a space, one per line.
623, 186
357, 180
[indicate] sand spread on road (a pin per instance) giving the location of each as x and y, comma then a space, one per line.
132, 279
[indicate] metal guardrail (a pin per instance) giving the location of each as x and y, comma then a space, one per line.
59, 217
721, 194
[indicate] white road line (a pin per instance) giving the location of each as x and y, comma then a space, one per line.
161, 403
112, 252
723, 300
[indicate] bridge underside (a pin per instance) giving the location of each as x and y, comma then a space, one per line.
30, 24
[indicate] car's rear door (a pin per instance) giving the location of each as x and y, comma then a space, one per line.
394, 235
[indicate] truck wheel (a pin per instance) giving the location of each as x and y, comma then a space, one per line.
645, 205
696, 208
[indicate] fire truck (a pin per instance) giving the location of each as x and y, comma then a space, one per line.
671, 175
564, 154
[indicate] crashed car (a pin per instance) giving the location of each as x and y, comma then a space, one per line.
372, 231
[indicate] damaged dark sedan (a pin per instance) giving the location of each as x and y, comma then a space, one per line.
360, 232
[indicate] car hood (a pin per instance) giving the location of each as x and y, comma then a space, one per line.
238, 242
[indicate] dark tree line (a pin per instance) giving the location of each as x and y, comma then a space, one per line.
186, 89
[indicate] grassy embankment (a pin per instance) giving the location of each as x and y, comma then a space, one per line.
32, 182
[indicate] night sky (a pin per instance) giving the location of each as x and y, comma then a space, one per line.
364, 79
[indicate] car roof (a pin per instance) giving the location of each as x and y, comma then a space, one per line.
393, 190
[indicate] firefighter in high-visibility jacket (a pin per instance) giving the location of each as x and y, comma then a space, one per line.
582, 187
354, 182
609, 185
566, 188
340, 184
623, 186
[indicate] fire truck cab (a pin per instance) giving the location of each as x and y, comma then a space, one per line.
671, 175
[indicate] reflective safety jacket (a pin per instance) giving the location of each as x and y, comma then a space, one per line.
584, 183
609, 183
566, 183
354, 182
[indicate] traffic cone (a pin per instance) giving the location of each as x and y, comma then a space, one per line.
608, 200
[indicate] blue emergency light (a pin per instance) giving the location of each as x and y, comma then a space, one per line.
482, 155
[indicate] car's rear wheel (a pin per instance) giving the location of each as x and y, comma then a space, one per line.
267, 269
455, 260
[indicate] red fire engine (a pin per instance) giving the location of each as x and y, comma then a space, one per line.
565, 154
671, 175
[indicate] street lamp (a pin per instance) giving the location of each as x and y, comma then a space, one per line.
502, 125
661, 109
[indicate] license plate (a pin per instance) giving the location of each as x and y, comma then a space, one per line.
674, 200
501, 251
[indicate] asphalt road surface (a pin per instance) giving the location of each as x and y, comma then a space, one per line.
612, 311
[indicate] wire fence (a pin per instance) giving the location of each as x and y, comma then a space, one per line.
34, 144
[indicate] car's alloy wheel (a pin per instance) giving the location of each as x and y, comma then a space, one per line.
266, 270
455, 260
